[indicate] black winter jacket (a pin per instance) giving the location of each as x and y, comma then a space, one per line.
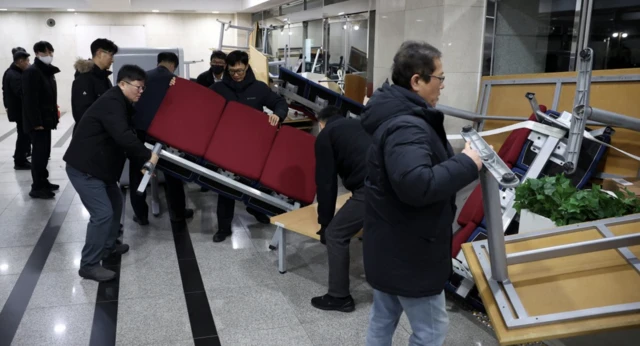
39, 96
157, 84
12, 92
105, 139
89, 84
206, 78
410, 194
341, 149
251, 92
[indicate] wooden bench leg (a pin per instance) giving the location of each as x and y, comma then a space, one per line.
282, 248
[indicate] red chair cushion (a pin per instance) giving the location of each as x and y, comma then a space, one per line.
290, 168
473, 209
187, 117
242, 141
461, 237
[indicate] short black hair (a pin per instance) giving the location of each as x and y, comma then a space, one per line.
218, 54
237, 56
42, 47
131, 73
17, 49
328, 112
105, 45
414, 57
168, 57
19, 55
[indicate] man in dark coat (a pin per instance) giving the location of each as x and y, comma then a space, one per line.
95, 159
158, 81
214, 73
12, 98
413, 178
340, 148
40, 116
92, 77
240, 84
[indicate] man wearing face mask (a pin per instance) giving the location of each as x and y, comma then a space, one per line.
95, 159
40, 116
214, 74
92, 77
240, 84
12, 98
158, 82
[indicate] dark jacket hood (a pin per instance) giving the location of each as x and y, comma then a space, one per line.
390, 101
249, 79
85, 66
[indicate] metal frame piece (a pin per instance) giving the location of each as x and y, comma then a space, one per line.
507, 297
579, 118
226, 26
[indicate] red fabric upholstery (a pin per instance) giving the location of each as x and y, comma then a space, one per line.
512, 146
461, 237
187, 117
473, 209
290, 168
242, 141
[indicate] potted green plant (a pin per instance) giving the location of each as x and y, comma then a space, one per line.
556, 199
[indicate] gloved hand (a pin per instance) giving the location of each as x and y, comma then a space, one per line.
323, 240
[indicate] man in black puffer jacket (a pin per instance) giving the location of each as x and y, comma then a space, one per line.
410, 199
12, 98
239, 84
92, 77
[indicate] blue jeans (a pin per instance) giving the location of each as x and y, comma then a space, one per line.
103, 201
427, 316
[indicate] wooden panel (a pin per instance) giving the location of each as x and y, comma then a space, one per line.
624, 229
564, 284
259, 64
509, 100
618, 97
355, 87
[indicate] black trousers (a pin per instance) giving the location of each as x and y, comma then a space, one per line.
174, 192
23, 145
41, 141
224, 212
346, 224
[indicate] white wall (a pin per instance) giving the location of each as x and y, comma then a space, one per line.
195, 33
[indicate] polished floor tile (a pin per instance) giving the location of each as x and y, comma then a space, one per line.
63, 257
63, 288
347, 332
7, 283
67, 325
13, 259
19, 235
285, 336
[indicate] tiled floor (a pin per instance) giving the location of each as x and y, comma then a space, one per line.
251, 303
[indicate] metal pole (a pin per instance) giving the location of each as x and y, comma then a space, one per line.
491, 202
282, 248
613, 119
148, 168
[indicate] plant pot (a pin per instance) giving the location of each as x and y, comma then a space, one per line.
531, 222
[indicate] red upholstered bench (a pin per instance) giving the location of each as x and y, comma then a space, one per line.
290, 168
240, 145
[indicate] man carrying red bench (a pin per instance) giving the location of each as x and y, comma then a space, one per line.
240, 84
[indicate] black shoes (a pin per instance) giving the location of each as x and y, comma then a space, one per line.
329, 303
97, 273
52, 187
25, 166
42, 194
221, 235
141, 222
188, 214
262, 218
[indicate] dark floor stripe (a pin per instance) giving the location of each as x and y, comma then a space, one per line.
64, 138
105, 316
8, 134
203, 327
18, 300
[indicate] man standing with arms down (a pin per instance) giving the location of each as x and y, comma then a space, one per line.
240, 84
92, 77
12, 98
40, 116
215, 72
410, 199
341, 147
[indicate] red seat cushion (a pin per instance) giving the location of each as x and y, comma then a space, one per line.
187, 117
242, 141
461, 237
290, 168
512, 146
473, 209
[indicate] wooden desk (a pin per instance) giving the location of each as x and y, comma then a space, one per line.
303, 221
565, 284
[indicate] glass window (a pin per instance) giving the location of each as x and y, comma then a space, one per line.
614, 34
534, 36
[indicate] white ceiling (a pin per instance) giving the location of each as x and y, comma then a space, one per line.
222, 6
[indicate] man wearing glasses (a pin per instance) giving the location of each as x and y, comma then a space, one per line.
92, 77
95, 159
239, 84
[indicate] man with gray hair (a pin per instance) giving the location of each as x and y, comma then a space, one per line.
413, 178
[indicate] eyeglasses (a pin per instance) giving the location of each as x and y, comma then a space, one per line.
441, 78
140, 88
237, 72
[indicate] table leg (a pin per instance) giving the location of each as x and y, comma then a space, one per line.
282, 249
